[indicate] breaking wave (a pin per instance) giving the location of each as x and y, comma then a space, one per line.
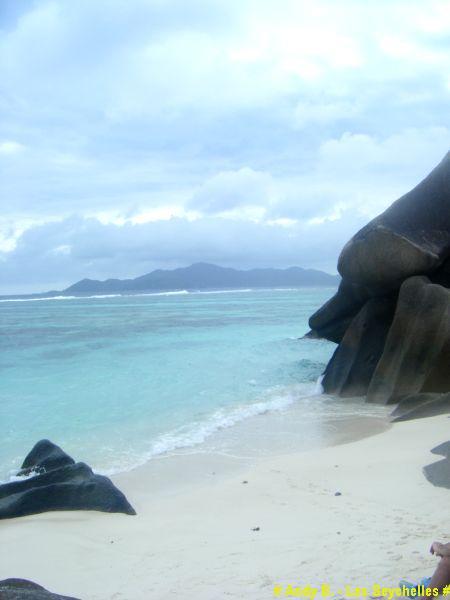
140, 294
197, 432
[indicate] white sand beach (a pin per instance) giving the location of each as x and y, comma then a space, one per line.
193, 536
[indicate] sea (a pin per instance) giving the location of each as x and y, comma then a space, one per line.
118, 380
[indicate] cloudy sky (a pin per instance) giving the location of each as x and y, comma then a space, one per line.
138, 134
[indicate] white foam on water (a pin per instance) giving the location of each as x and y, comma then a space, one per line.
12, 476
238, 291
39, 299
198, 432
173, 293
150, 294
95, 296
319, 387
47, 298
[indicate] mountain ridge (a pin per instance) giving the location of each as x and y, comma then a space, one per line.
207, 276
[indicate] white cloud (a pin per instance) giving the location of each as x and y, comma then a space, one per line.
324, 113
77, 248
290, 114
229, 190
410, 150
9, 147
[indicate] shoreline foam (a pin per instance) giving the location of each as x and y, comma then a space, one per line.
168, 293
186, 467
271, 426
288, 419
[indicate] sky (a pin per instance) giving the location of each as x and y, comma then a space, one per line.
247, 133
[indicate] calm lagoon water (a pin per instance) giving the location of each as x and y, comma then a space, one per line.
116, 380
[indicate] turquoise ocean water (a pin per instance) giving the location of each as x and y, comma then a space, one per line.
116, 380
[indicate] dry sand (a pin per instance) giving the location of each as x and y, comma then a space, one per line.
193, 537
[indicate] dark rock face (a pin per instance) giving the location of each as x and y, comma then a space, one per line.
45, 456
333, 318
442, 275
391, 313
411, 237
350, 370
22, 589
419, 406
61, 484
438, 473
417, 344
442, 450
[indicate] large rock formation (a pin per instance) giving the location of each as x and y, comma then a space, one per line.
22, 589
44, 456
391, 313
416, 355
438, 473
56, 482
418, 406
411, 237
351, 369
331, 321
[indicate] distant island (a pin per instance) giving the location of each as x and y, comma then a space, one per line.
206, 276
199, 276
